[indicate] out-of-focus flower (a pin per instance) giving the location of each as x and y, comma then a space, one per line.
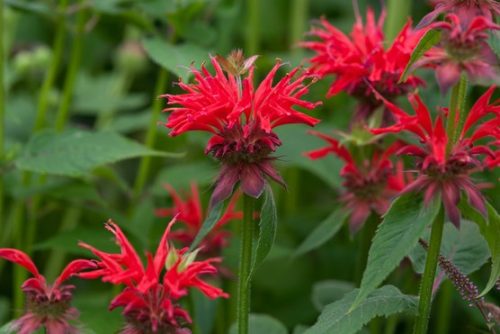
444, 166
47, 305
463, 48
466, 9
361, 63
241, 118
369, 184
189, 212
150, 298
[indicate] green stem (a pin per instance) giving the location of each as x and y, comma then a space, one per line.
74, 65
145, 165
298, 20
425, 295
444, 308
2, 116
245, 264
455, 122
48, 83
253, 27
16, 218
367, 233
397, 15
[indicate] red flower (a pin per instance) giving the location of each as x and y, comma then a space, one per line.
370, 184
463, 47
242, 119
150, 299
190, 213
465, 9
361, 63
47, 305
445, 167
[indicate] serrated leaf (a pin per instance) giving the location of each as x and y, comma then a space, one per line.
338, 318
75, 153
268, 225
329, 291
403, 224
209, 223
260, 324
322, 233
465, 247
430, 38
175, 58
490, 229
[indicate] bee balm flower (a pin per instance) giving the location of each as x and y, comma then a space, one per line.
150, 300
241, 119
47, 305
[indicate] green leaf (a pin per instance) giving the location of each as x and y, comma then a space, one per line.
75, 153
267, 231
338, 318
329, 291
431, 38
175, 58
322, 233
209, 223
465, 247
181, 175
205, 310
296, 141
490, 229
403, 224
4, 309
260, 324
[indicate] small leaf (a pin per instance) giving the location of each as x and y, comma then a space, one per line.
327, 292
75, 153
465, 247
322, 233
339, 318
209, 223
403, 224
431, 38
490, 229
267, 230
260, 324
175, 58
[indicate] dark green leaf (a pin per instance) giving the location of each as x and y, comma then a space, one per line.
403, 224
268, 225
327, 292
209, 223
431, 38
465, 247
4, 309
322, 233
204, 313
260, 324
175, 58
339, 318
74, 153
490, 229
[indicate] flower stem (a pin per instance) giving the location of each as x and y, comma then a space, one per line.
48, 82
425, 295
145, 165
253, 27
74, 64
455, 122
2, 116
444, 308
245, 263
397, 14
298, 20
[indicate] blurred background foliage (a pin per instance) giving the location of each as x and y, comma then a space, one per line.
85, 142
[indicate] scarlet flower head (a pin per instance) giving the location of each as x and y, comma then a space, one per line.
463, 48
370, 184
465, 9
241, 119
47, 305
190, 213
150, 298
444, 166
361, 63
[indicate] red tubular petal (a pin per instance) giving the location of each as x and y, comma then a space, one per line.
75, 267
20, 258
